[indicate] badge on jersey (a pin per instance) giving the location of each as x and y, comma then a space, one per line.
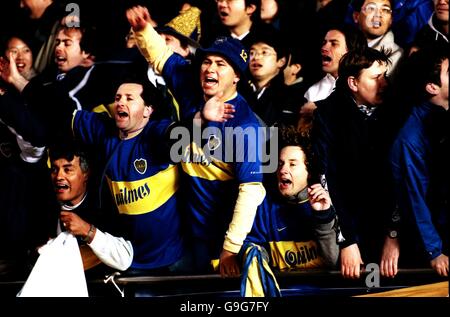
140, 165
213, 142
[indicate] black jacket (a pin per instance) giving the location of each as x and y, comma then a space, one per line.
352, 151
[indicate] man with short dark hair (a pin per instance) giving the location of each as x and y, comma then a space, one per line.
267, 61
142, 180
240, 19
351, 137
70, 172
337, 41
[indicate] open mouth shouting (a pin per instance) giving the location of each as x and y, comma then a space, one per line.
20, 66
210, 82
254, 66
326, 60
375, 24
121, 116
60, 60
284, 183
223, 15
61, 188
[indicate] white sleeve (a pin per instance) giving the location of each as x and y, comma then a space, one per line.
113, 251
249, 198
28, 152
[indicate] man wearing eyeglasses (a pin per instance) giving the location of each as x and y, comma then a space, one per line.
374, 18
267, 61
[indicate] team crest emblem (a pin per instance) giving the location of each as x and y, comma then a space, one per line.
140, 165
244, 55
213, 142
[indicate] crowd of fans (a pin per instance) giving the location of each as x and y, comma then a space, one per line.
141, 128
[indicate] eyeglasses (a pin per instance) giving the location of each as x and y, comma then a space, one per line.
263, 53
371, 8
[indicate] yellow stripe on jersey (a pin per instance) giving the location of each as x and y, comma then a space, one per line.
196, 164
295, 255
175, 103
254, 285
102, 108
145, 195
211, 172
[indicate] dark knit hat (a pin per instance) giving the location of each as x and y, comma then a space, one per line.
231, 49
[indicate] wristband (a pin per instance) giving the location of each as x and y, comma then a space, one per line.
90, 235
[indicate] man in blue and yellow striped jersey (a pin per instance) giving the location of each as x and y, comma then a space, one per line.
222, 168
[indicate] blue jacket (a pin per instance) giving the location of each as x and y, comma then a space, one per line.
419, 166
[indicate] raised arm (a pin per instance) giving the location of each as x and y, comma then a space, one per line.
152, 46
325, 218
10, 73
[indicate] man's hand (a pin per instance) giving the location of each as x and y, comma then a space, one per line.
319, 198
228, 264
138, 17
74, 224
440, 264
351, 261
308, 108
10, 73
216, 110
389, 257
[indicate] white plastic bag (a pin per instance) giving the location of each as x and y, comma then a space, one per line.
58, 272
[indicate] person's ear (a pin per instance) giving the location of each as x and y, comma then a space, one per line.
352, 83
356, 16
186, 51
296, 68
432, 89
235, 80
148, 110
281, 62
250, 9
88, 59
88, 175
